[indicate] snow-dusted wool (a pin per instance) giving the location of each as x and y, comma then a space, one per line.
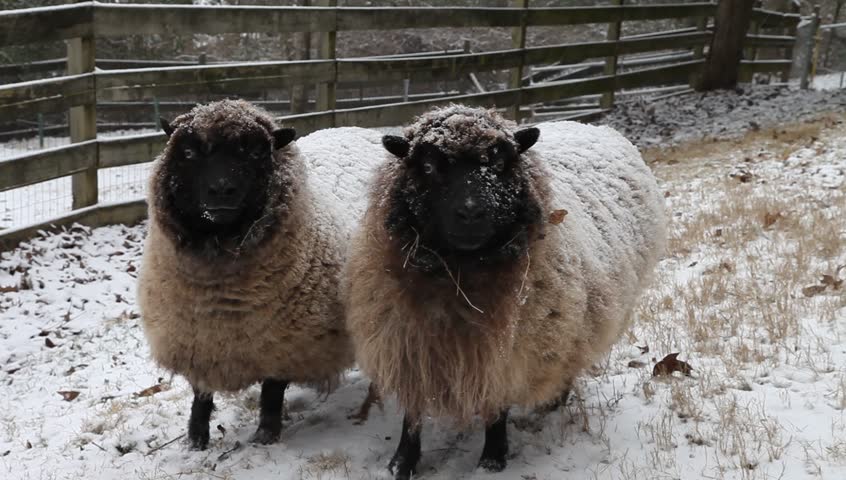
265, 305
474, 339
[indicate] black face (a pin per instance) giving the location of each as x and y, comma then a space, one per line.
215, 187
219, 188
471, 203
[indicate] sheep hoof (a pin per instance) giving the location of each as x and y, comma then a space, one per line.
401, 468
198, 440
493, 465
266, 436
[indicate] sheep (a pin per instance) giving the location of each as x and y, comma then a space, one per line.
486, 275
240, 270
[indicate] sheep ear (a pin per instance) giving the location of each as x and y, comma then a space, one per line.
526, 138
398, 146
166, 126
282, 137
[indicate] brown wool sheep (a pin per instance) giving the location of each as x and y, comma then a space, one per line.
239, 281
465, 291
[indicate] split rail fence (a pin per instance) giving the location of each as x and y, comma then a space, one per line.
84, 87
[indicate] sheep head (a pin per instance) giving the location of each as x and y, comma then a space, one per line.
462, 191
219, 182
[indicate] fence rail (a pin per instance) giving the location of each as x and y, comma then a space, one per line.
89, 88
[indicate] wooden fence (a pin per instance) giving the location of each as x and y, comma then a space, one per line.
84, 87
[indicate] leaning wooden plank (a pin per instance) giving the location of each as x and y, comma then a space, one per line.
773, 19
46, 96
401, 113
47, 164
146, 83
123, 213
646, 77
449, 67
46, 24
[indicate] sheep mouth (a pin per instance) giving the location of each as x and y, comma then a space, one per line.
467, 242
221, 214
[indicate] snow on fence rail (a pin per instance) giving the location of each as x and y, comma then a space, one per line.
82, 92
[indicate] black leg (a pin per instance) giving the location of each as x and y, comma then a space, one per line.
198, 424
270, 413
404, 463
496, 444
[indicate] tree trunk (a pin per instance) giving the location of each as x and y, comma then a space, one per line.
722, 67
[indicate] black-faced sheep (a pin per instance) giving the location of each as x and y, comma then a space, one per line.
239, 281
465, 291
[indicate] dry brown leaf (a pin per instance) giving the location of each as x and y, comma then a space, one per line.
771, 218
831, 281
644, 349
68, 395
11, 289
813, 290
636, 364
557, 216
149, 391
49, 343
670, 364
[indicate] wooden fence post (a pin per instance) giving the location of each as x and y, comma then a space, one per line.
82, 121
808, 61
751, 52
518, 41
698, 50
607, 100
326, 91
793, 7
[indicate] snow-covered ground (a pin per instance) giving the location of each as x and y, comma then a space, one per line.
757, 221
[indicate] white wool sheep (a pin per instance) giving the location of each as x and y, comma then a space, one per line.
454, 329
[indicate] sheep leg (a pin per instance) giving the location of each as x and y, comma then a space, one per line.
496, 444
270, 413
404, 463
198, 424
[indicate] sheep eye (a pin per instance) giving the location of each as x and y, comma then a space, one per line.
428, 168
188, 153
499, 165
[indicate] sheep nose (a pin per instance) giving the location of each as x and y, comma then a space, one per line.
470, 212
222, 188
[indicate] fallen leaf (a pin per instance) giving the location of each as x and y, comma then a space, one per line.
221, 429
68, 395
557, 216
831, 281
9, 289
771, 218
670, 364
718, 232
743, 176
636, 364
49, 343
149, 391
644, 349
28, 445
813, 290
